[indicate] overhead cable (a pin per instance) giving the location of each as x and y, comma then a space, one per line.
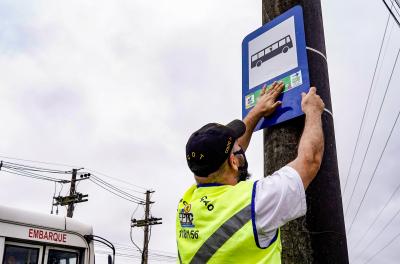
366, 105
372, 134
377, 165
390, 10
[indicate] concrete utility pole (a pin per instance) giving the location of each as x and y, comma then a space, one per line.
319, 237
74, 196
71, 206
146, 230
146, 222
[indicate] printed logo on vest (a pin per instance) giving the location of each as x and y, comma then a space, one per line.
186, 216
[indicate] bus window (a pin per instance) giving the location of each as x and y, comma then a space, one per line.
288, 39
274, 46
62, 257
254, 58
282, 42
260, 54
20, 254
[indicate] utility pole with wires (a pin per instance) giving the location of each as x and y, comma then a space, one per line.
74, 196
319, 237
147, 222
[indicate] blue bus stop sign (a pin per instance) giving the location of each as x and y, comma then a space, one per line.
276, 52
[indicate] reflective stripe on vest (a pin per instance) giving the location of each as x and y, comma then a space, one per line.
221, 235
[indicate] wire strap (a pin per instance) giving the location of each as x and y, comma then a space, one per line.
328, 111
318, 52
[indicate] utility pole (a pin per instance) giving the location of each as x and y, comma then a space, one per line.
71, 206
74, 196
146, 223
320, 236
146, 229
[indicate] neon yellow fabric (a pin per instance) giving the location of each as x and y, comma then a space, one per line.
202, 211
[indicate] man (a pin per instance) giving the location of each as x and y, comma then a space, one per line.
225, 219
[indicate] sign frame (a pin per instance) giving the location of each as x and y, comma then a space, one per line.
291, 97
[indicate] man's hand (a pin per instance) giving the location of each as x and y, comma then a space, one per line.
312, 103
267, 103
265, 106
311, 145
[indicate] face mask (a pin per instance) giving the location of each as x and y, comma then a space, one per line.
243, 173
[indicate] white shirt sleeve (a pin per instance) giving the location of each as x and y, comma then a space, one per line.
279, 198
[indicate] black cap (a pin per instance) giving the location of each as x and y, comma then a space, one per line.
209, 147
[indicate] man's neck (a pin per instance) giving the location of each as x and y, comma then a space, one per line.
226, 178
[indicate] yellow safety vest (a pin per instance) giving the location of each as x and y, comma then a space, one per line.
216, 224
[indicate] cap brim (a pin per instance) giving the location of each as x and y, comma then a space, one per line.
238, 127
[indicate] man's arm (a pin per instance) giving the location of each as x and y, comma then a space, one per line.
265, 106
311, 146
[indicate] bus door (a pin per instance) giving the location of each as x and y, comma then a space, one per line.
58, 255
15, 253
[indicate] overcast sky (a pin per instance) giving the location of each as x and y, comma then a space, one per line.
119, 86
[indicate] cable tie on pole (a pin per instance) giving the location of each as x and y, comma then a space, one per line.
318, 52
328, 111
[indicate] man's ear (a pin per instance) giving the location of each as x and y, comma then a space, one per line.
233, 163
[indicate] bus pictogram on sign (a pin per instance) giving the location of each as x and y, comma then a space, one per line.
276, 48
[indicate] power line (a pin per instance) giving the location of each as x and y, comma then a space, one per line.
116, 179
130, 233
379, 233
372, 134
377, 216
33, 168
120, 248
110, 191
41, 169
366, 105
40, 162
385, 246
376, 167
133, 256
126, 248
390, 10
33, 176
395, 8
109, 185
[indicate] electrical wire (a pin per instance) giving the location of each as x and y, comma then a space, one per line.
115, 188
34, 168
366, 105
40, 162
372, 134
395, 8
130, 235
132, 256
116, 179
377, 216
385, 246
109, 185
122, 197
38, 177
390, 10
374, 173
33, 174
379, 233
121, 249
127, 248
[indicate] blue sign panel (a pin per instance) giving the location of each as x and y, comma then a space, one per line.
276, 52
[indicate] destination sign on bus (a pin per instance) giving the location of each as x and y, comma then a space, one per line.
276, 52
47, 235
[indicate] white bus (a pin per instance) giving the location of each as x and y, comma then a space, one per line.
34, 238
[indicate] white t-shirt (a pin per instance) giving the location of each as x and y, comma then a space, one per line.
278, 199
